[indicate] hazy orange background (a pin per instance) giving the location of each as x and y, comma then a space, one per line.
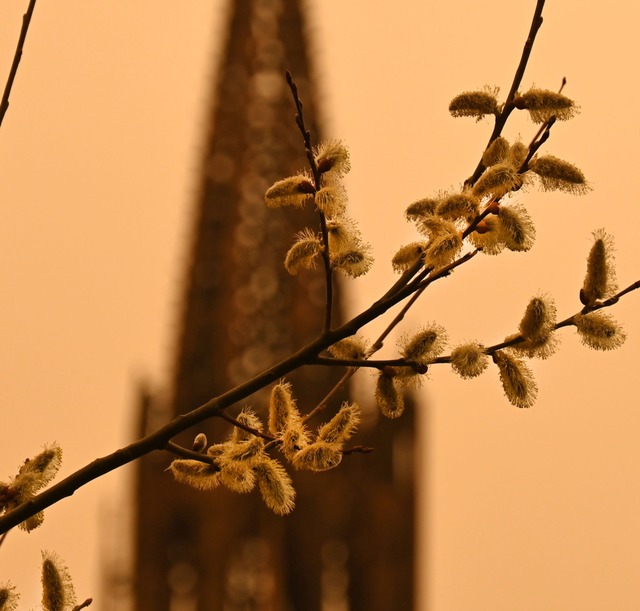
99, 153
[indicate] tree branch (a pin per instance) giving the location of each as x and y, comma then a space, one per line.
26, 20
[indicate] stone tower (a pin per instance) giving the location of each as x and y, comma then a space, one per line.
348, 546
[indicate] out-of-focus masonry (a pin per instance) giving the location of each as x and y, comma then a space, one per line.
349, 543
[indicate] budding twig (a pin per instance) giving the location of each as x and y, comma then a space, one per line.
26, 20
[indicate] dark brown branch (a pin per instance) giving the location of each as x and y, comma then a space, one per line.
212, 408
508, 107
26, 20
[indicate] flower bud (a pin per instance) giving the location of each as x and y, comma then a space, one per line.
516, 228
497, 181
469, 360
9, 598
599, 331
292, 191
425, 345
517, 379
195, 473
474, 104
389, 399
496, 152
556, 174
459, 206
600, 280
304, 253
275, 486
407, 256
350, 348
318, 456
342, 426
332, 156
421, 208
57, 589
542, 104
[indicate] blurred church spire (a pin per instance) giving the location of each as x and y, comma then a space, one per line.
348, 545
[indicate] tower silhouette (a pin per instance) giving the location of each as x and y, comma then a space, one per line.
348, 545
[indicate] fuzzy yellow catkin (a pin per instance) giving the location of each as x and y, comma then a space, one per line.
442, 249
275, 486
542, 104
469, 360
291, 191
342, 426
318, 456
541, 347
44, 465
389, 399
539, 318
490, 240
421, 208
294, 439
247, 451
350, 348
599, 331
600, 280
425, 345
194, 473
238, 477
496, 152
303, 254
57, 589
517, 380
497, 181
474, 104
282, 408
249, 418
407, 256
459, 206
517, 154
9, 598
433, 226
516, 228
353, 263
331, 200
332, 156
557, 174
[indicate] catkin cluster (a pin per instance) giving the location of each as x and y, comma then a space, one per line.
340, 241
243, 462
33, 475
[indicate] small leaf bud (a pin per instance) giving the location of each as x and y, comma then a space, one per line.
199, 443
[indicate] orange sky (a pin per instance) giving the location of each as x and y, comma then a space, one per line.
531, 509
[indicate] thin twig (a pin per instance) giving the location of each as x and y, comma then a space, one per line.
315, 171
568, 321
26, 20
508, 107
